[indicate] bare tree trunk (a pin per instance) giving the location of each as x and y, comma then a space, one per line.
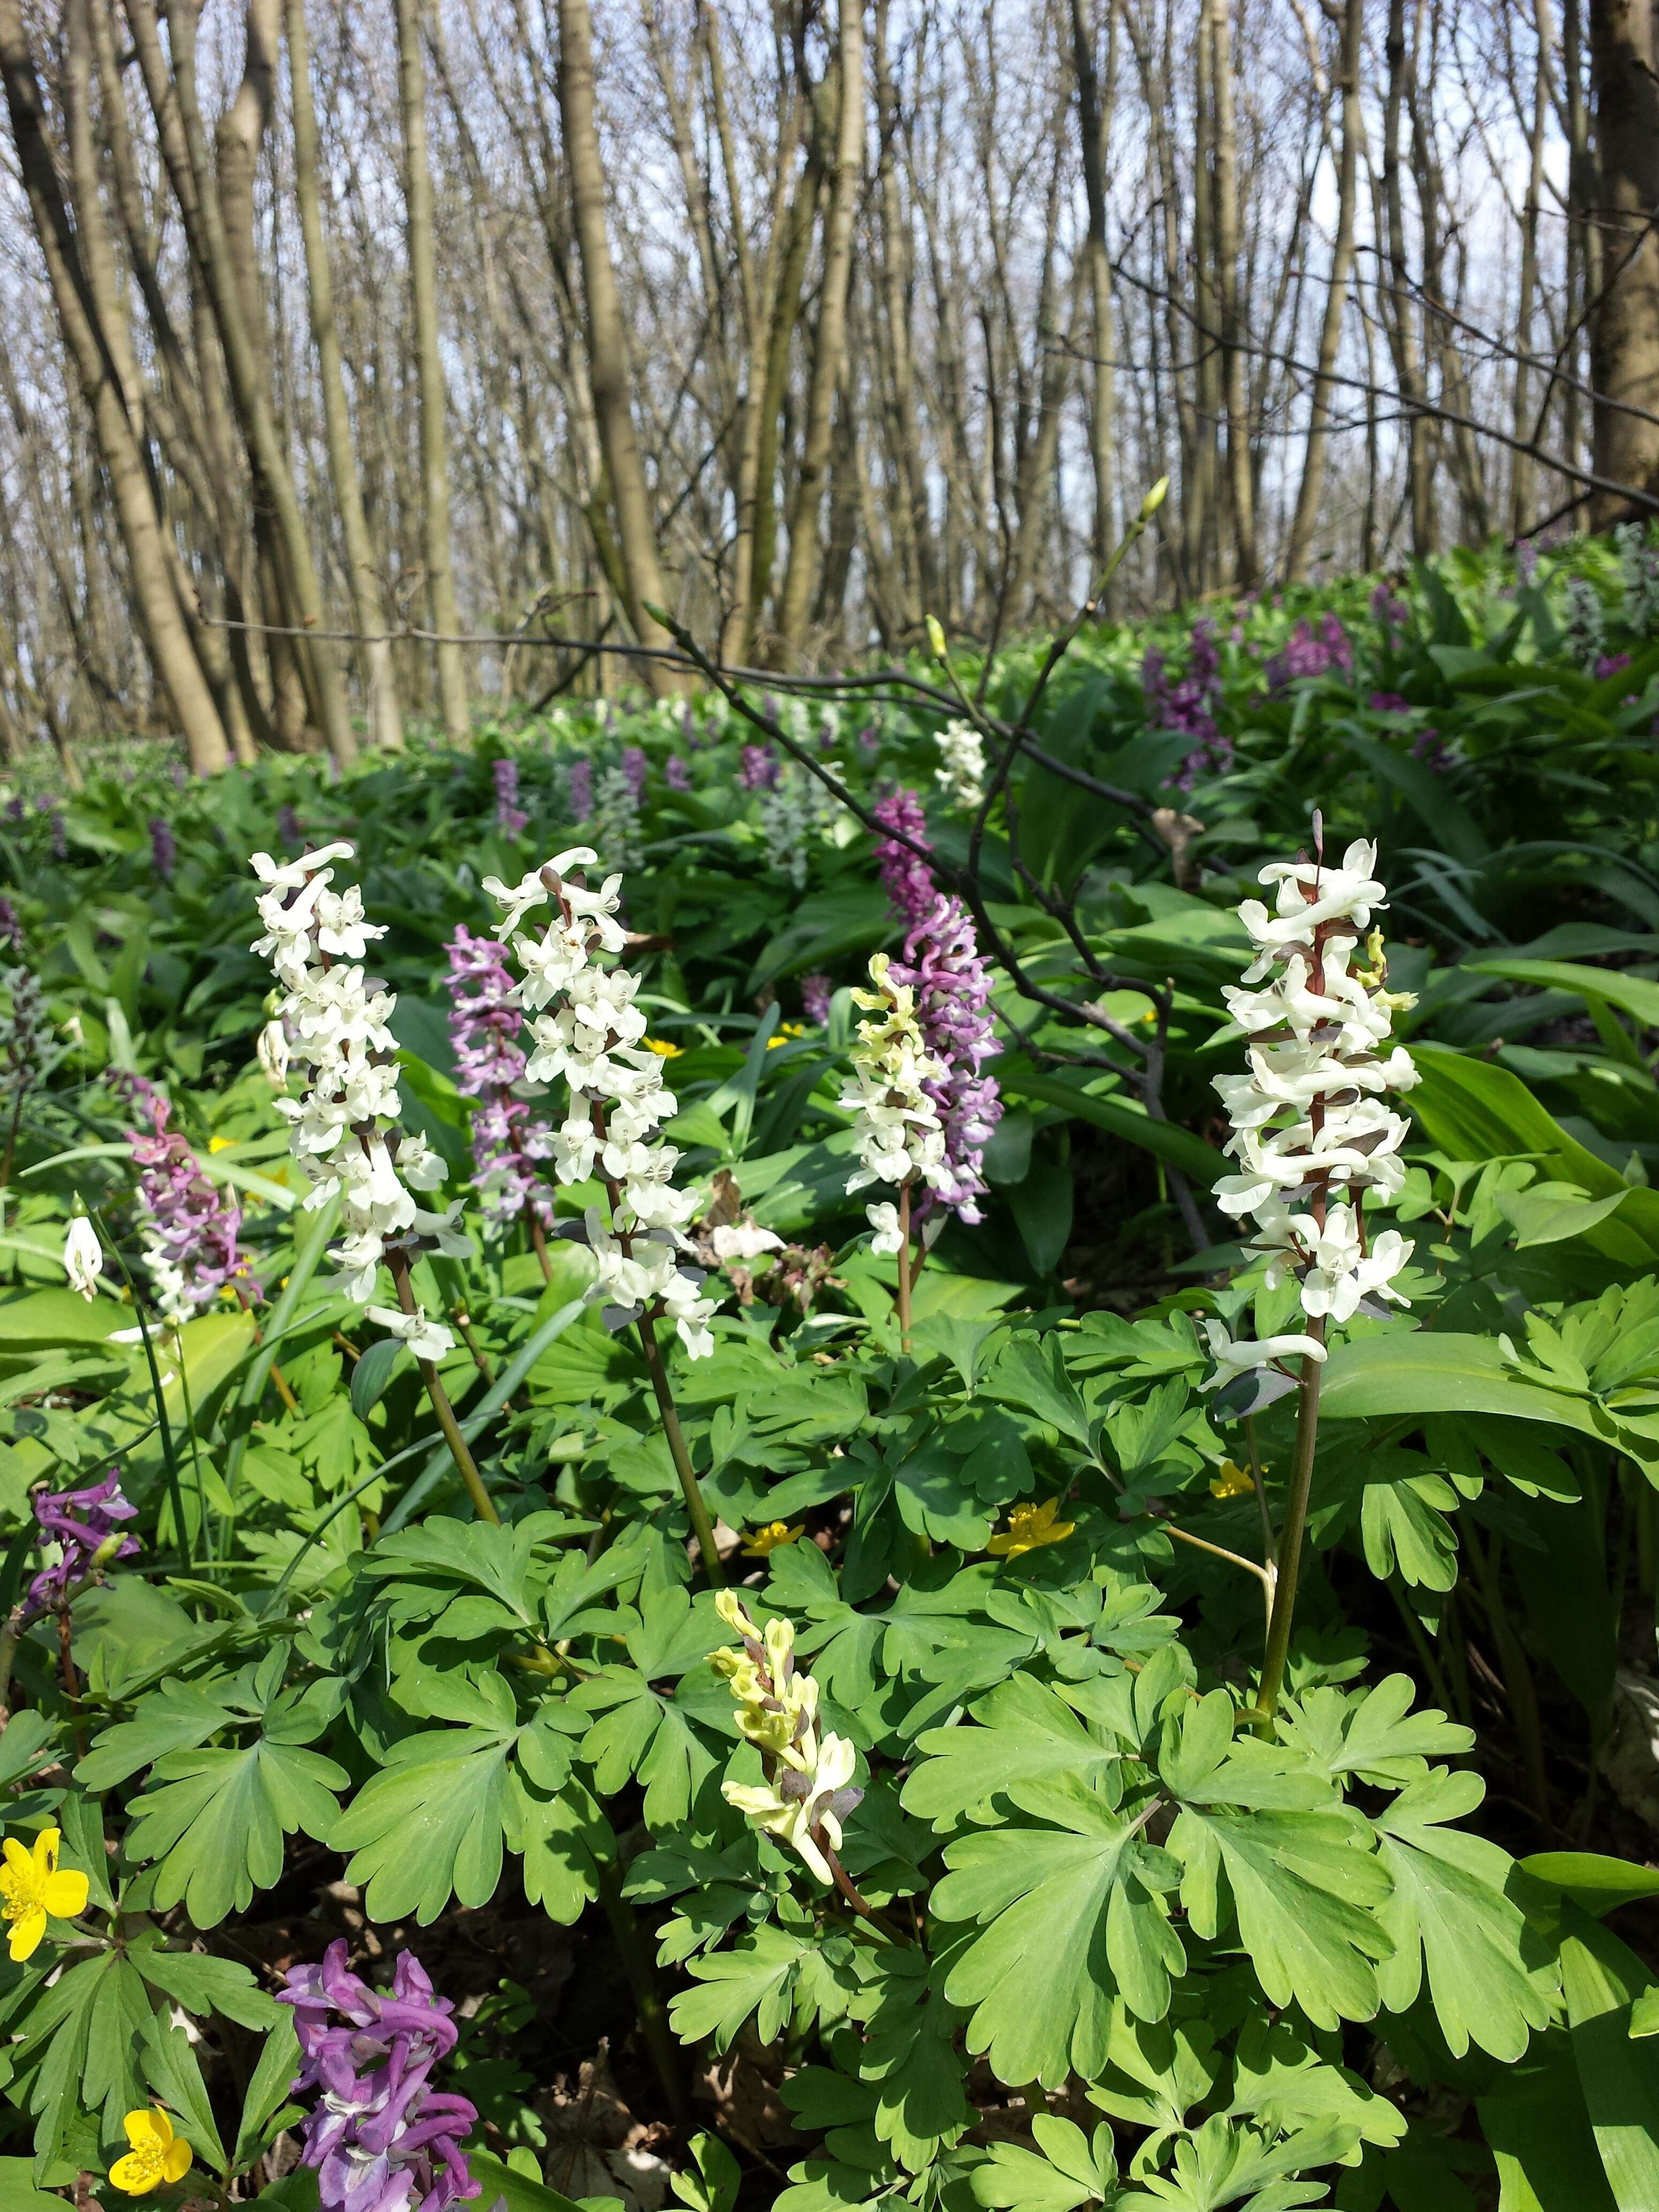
607, 350
1241, 487
1093, 128
1402, 321
829, 343
435, 545
1584, 262
385, 726
1336, 297
1625, 343
1521, 470
172, 653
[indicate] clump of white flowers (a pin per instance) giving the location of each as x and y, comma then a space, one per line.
1639, 579
809, 1788
345, 1131
961, 774
901, 1137
585, 1027
1312, 1129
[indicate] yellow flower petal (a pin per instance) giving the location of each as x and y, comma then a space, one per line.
138, 2172
151, 2125
45, 1851
26, 1933
176, 2160
66, 1894
19, 1857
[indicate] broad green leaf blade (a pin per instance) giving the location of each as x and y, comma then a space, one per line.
1600, 1978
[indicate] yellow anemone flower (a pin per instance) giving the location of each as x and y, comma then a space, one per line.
786, 1030
663, 1049
32, 1887
157, 2154
1232, 1481
771, 1538
219, 1144
1030, 1526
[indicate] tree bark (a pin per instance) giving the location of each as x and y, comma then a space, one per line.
172, 653
829, 341
1336, 297
607, 350
435, 545
1092, 129
1624, 341
1241, 484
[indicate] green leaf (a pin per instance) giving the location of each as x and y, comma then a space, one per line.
171, 2069
1225, 2162
1601, 1979
1066, 2171
1614, 987
640, 1731
1541, 2137
1594, 1883
177, 1716
1372, 1735
216, 1820
1449, 1909
522, 2193
1436, 1372
267, 2090
372, 1373
17, 2190
1118, 1113
1030, 1372
1027, 1732
203, 1984
756, 1977
1072, 1913
431, 1824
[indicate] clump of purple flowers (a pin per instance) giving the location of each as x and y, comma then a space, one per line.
580, 790
1389, 612
943, 966
635, 766
1431, 747
1188, 706
189, 1227
905, 876
757, 768
508, 1140
1309, 651
163, 847
80, 1522
815, 992
677, 774
381, 2138
11, 929
510, 816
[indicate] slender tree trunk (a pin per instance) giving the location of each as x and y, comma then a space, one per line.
1336, 298
435, 547
172, 653
1402, 320
829, 343
1624, 342
786, 315
607, 349
1584, 274
1092, 127
1521, 471
1241, 488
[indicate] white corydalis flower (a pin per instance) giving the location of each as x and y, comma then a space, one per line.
334, 1026
900, 1135
587, 1029
83, 1257
808, 1789
961, 774
1312, 1129
427, 1340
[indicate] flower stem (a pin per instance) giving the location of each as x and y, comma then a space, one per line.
483, 1503
702, 1525
538, 1239
1291, 1535
642, 1980
904, 1269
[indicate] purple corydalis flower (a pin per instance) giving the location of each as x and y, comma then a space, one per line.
943, 966
869, 739
676, 774
163, 847
635, 766
1611, 663
510, 816
288, 825
484, 1027
81, 1521
815, 992
11, 930
1309, 652
1429, 747
581, 787
757, 768
905, 875
1187, 707
382, 2139
1389, 612
1389, 702
190, 1226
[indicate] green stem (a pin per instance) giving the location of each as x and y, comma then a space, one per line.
702, 1527
1521, 1690
482, 1504
1291, 1535
904, 1269
640, 1970
175, 1490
